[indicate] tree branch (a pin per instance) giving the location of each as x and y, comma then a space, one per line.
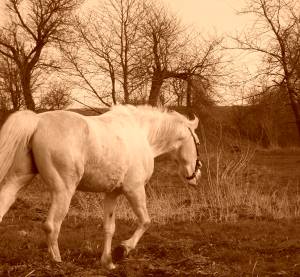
23, 24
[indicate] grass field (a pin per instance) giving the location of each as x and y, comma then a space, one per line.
242, 220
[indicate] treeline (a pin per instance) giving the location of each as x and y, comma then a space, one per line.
139, 52
117, 51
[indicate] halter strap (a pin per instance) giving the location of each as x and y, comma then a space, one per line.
198, 164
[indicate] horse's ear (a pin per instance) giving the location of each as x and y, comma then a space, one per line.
194, 122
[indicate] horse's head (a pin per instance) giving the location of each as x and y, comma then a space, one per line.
186, 154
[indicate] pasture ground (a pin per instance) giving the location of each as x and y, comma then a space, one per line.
264, 240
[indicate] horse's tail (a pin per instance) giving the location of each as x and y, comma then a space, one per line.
15, 135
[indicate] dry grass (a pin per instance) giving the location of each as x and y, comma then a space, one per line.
232, 188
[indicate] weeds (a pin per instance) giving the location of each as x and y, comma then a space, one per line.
231, 188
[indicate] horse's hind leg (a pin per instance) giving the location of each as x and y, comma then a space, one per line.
61, 179
59, 207
59, 161
9, 191
21, 173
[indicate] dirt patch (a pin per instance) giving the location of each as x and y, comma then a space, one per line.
247, 248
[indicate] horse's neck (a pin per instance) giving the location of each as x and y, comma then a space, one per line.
159, 139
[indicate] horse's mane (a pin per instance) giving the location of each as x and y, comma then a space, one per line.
146, 111
161, 123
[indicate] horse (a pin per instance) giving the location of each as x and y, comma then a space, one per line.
112, 153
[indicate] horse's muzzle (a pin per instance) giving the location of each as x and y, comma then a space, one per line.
193, 181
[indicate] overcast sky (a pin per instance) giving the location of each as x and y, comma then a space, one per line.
218, 15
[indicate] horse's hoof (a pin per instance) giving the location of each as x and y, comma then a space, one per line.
119, 253
110, 266
56, 260
107, 264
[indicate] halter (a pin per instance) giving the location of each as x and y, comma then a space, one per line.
198, 163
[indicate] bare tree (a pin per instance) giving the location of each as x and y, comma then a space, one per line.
202, 94
26, 35
127, 44
86, 74
58, 97
275, 33
162, 41
169, 53
179, 89
10, 85
108, 47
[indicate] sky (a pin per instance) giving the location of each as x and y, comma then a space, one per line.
214, 15
204, 14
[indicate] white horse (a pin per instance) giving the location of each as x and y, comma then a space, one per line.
111, 153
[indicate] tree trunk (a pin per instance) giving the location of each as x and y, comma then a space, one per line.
189, 94
14, 94
113, 89
113, 94
125, 80
295, 107
157, 82
26, 87
15, 100
125, 88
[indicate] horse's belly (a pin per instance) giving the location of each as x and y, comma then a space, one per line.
101, 178
88, 186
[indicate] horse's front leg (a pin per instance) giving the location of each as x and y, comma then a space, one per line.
137, 200
109, 228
